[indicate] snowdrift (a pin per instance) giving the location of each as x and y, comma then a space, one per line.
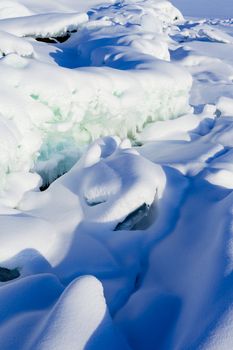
111, 77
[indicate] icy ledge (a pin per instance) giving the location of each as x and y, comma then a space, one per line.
121, 79
43, 25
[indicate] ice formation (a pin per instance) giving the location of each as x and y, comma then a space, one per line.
57, 111
131, 248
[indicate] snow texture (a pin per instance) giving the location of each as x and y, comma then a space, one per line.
67, 95
116, 176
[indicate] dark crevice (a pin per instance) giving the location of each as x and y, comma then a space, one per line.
133, 218
8, 275
137, 281
57, 39
92, 203
44, 187
141, 218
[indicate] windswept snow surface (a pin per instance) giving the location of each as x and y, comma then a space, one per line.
131, 248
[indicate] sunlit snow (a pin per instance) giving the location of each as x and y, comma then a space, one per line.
116, 175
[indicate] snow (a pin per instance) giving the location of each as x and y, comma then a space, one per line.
12, 44
225, 106
78, 313
222, 178
103, 182
58, 110
11, 9
43, 25
116, 175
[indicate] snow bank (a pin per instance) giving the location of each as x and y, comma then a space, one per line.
21, 315
110, 184
76, 317
103, 190
79, 313
225, 106
63, 6
12, 9
58, 111
215, 35
12, 44
42, 238
43, 25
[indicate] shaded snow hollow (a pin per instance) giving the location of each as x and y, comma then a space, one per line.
132, 247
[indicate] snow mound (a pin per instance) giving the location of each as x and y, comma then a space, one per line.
42, 238
74, 318
12, 44
105, 190
110, 184
225, 106
215, 35
43, 25
94, 84
12, 9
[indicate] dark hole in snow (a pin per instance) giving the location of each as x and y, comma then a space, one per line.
46, 183
141, 218
57, 39
137, 144
133, 218
8, 275
92, 203
44, 187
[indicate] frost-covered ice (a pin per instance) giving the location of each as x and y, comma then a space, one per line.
115, 242
118, 62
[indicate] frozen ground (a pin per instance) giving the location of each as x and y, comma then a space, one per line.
132, 247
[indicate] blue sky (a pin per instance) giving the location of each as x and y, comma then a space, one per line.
205, 8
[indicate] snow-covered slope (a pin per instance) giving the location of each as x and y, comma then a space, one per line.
94, 84
132, 247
